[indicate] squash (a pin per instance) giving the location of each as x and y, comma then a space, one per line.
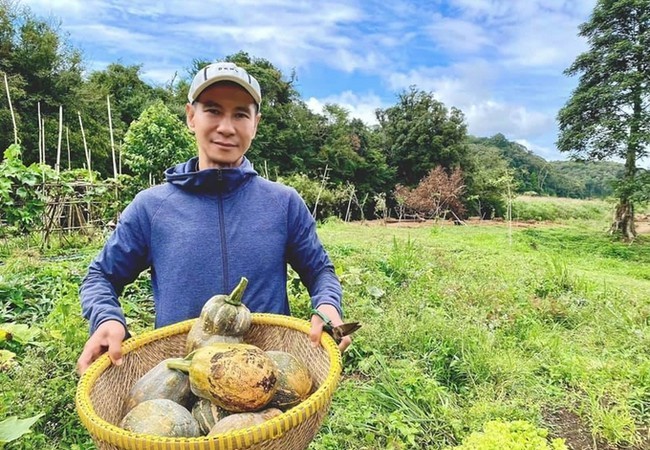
207, 414
198, 338
226, 314
294, 380
243, 420
160, 382
161, 417
237, 377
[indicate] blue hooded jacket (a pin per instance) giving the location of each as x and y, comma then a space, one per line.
200, 233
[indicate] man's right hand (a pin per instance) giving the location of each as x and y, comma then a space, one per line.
107, 337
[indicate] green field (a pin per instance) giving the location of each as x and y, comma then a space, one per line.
462, 325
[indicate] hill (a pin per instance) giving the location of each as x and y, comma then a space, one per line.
574, 179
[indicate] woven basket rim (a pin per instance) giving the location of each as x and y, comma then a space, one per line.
243, 438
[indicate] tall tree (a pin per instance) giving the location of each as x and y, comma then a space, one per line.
607, 114
421, 133
156, 141
42, 68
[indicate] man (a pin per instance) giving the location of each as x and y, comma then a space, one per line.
214, 221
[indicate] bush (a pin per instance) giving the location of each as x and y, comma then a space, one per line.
155, 141
521, 435
311, 191
21, 202
551, 209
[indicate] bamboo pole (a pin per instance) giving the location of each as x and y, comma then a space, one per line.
347, 213
67, 143
86, 152
58, 146
40, 136
322, 186
11, 109
43, 143
110, 129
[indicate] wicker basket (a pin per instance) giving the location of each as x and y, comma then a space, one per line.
103, 388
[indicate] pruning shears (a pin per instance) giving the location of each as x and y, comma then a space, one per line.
337, 332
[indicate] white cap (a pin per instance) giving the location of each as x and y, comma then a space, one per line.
224, 71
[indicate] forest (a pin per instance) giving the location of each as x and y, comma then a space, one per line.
59, 113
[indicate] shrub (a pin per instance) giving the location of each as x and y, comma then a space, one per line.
156, 141
21, 202
521, 435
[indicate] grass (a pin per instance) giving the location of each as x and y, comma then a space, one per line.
462, 325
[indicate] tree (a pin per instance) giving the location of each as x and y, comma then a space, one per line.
435, 196
42, 68
487, 181
421, 133
156, 141
607, 114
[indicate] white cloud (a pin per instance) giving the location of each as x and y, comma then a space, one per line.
548, 153
490, 117
358, 106
457, 35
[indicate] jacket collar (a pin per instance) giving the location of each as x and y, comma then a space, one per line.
222, 181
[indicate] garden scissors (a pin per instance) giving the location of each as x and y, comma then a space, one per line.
337, 332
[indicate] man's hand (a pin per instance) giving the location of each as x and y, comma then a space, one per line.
317, 326
107, 337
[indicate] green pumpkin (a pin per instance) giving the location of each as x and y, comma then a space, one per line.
198, 338
207, 414
226, 315
243, 420
160, 382
294, 380
161, 417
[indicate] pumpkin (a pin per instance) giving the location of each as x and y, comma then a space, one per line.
226, 315
161, 417
236, 377
160, 382
197, 338
243, 420
207, 414
294, 380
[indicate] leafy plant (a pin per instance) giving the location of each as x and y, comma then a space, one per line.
156, 140
21, 201
13, 428
520, 435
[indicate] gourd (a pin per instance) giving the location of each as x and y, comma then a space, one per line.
197, 338
161, 417
294, 380
243, 420
236, 377
160, 382
207, 414
222, 315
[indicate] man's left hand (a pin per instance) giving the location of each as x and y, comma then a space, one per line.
317, 326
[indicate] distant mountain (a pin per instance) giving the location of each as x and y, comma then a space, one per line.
557, 178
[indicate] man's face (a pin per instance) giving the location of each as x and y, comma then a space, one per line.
224, 119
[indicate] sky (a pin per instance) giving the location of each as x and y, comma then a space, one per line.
501, 62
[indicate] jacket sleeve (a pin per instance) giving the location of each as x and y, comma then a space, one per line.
124, 256
308, 257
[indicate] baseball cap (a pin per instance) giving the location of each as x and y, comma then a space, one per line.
224, 71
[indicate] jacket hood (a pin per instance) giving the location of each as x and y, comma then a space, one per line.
185, 176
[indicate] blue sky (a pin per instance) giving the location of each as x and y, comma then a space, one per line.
500, 61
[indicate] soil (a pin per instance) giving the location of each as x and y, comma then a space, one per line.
576, 434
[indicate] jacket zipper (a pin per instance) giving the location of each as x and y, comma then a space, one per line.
224, 247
